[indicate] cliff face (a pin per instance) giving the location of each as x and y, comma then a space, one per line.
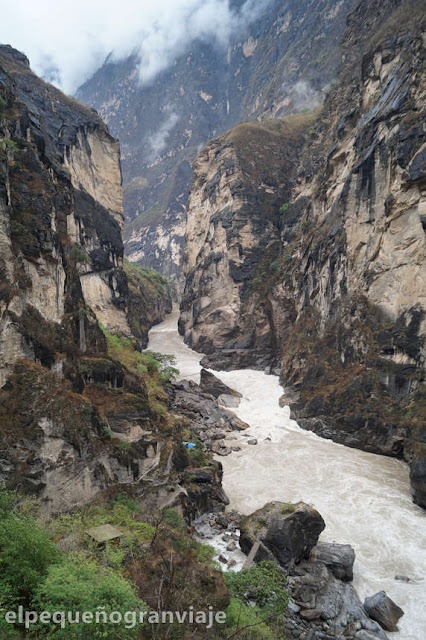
61, 221
344, 297
278, 62
355, 345
67, 398
233, 229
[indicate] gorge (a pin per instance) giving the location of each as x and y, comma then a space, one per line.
214, 302
302, 246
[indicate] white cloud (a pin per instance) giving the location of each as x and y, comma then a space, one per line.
158, 140
67, 41
305, 96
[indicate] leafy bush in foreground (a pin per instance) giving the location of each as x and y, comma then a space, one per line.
80, 584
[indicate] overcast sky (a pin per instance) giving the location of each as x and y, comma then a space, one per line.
67, 40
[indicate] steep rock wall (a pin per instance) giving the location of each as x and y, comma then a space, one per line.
353, 344
233, 223
344, 297
62, 217
74, 421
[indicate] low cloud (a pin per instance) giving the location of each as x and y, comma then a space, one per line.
158, 140
304, 96
66, 42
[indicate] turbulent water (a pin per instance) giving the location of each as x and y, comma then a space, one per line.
363, 498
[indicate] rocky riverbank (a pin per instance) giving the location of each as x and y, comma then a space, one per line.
323, 603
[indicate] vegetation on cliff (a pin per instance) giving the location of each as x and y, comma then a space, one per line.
149, 299
53, 565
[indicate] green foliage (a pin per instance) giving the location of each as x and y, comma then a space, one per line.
123, 445
125, 350
150, 280
123, 514
130, 504
173, 519
17, 228
8, 145
288, 508
239, 616
266, 584
26, 552
205, 554
161, 363
7, 631
2, 107
82, 584
284, 207
155, 369
7, 501
197, 456
77, 254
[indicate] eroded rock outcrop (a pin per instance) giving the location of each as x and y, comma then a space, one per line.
233, 224
322, 600
384, 610
286, 532
61, 222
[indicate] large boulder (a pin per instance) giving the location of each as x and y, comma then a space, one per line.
418, 473
287, 531
339, 558
215, 387
383, 610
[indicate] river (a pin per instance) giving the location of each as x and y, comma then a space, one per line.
364, 498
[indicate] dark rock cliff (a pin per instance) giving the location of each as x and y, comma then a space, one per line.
76, 416
340, 305
61, 222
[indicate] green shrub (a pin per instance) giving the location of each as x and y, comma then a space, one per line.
265, 581
80, 584
8, 145
77, 254
205, 554
7, 631
240, 616
155, 369
284, 207
173, 519
26, 552
131, 504
123, 445
162, 363
197, 456
118, 513
17, 228
8, 500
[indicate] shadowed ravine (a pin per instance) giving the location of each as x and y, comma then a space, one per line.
364, 498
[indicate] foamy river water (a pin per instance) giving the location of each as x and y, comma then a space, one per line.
364, 498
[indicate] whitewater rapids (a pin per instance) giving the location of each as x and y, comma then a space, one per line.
364, 498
